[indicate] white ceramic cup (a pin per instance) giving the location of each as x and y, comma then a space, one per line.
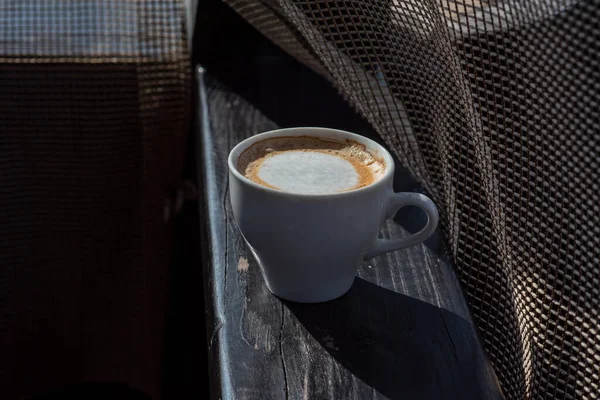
309, 246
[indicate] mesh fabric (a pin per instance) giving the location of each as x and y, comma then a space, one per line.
493, 105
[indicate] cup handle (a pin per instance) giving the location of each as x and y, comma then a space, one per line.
396, 202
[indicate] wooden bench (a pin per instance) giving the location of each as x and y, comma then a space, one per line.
403, 330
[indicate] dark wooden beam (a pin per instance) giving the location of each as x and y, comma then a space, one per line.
403, 330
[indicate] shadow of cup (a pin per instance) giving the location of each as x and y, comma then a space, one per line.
400, 346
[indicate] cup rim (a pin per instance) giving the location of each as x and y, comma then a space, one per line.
319, 132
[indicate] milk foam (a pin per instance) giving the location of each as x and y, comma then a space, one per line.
308, 172
310, 165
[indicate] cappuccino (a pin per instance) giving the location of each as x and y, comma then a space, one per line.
309, 165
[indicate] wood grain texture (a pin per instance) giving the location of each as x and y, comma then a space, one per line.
403, 330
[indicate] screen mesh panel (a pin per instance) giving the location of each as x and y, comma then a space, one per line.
94, 112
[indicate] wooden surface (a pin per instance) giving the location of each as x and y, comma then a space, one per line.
403, 330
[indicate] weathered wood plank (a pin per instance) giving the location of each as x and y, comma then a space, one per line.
403, 330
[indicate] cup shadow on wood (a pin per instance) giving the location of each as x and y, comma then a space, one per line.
400, 346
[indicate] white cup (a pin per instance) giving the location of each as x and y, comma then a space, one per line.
309, 246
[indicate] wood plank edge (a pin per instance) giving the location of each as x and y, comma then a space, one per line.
215, 268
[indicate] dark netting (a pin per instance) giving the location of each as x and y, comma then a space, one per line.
494, 106
94, 111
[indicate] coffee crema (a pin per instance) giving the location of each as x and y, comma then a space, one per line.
310, 165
